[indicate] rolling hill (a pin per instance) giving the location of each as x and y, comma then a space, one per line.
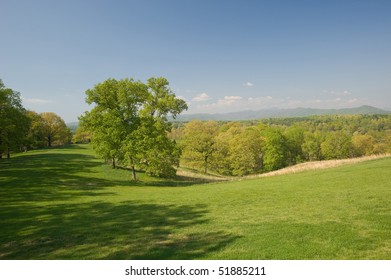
64, 203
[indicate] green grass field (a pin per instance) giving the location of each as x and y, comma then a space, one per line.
65, 204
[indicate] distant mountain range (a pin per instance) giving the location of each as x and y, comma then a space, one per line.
283, 113
273, 113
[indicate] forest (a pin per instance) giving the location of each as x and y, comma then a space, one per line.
22, 130
249, 147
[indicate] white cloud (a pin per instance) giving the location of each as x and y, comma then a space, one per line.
201, 97
260, 99
229, 100
248, 84
36, 101
227, 103
353, 100
340, 93
346, 92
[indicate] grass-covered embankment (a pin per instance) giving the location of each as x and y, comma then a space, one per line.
65, 204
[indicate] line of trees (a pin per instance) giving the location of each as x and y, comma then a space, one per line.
129, 124
22, 130
242, 148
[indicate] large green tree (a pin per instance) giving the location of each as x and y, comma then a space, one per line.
114, 118
129, 123
159, 153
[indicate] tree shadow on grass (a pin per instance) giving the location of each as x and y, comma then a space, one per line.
56, 176
41, 217
48, 177
98, 230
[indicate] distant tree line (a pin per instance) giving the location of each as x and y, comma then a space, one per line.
248, 147
22, 130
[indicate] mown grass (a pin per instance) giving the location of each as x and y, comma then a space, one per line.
65, 204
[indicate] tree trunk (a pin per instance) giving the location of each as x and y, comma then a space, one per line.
8, 153
133, 169
113, 163
134, 173
206, 164
49, 140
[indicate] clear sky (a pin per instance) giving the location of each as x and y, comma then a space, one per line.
220, 56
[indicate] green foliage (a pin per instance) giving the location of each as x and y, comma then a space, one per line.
221, 161
337, 145
311, 146
199, 142
362, 145
14, 122
161, 101
245, 152
21, 130
36, 137
160, 154
233, 151
294, 136
81, 135
274, 149
55, 130
129, 124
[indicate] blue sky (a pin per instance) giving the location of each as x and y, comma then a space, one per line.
220, 56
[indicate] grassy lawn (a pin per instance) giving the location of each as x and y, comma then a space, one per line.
65, 204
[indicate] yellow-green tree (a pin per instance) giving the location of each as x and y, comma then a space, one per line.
55, 129
337, 145
37, 133
81, 135
312, 145
199, 143
245, 152
363, 144
274, 148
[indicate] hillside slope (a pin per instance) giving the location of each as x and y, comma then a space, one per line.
66, 204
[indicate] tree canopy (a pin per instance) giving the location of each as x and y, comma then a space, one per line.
247, 147
129, 123
14, 123
54, 129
